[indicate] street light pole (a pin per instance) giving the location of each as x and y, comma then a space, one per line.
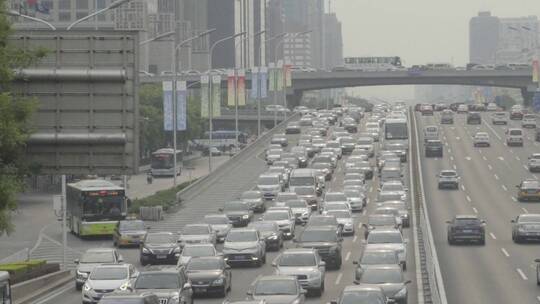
14, 13
112, 6
210, 101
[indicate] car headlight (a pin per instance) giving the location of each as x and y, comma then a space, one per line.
124, 286
176, 250
273, 237
245, 216
86, 287
305, 214
401, 293
174, 299
145, 250
314, 274
297, 301
218, 281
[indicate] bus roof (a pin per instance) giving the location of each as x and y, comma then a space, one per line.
95, 184
4, 276
166, 151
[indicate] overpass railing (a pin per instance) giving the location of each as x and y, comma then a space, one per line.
430, 282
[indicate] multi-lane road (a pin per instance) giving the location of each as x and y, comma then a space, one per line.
240, 179
501, 271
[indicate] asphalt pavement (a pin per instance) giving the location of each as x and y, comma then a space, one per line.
501, 271
230, 186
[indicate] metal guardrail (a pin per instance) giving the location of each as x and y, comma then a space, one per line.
202, 183
432, 289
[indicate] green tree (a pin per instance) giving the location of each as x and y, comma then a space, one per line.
15, 115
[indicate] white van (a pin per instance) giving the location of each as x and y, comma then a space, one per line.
514, 137
431, 133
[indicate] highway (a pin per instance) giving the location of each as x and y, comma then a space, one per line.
501, 271
229, 186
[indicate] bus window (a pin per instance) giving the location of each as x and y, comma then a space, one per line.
103, 206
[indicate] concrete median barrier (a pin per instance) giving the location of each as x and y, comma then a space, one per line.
28, 291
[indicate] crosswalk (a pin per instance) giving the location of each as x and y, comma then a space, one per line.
51, 250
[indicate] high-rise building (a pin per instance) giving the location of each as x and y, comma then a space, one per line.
275, 25
333, 42
518, 39
483, 38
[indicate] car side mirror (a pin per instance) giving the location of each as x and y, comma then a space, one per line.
187, 286
249, 293
537, 260
405, 241
407, 282
448, 222
512, 221
120, 259
220, 209
484, 222
148, 227
76, 261
355, 262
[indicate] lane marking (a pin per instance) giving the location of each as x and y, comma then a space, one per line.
468, 198
535, 177
56, 294
455, 167
354, 239
462, 187
458, 138
451, 158
479, 151
496, 176
490, 167
505, 252
524, 210
339, 278
514, 199
512, 151
517, 158
474, 209
484, 158
501, 158
525, 167
359, 225
347, 256
504, 187
468, 157
446, 144
521, 274
492, 235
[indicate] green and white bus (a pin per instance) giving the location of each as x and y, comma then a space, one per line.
94, 207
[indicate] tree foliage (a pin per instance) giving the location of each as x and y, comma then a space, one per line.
15, 115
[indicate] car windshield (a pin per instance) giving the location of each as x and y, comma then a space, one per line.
157, 281
515, 132
467, 222
264, 226
381, 276
335, 197
241, 236
336, 206
352, 193
198, 251
379, 257
268, 180
204, 264
448, 173
109, 273
97, 257
276, 216
364, 141
196, 230
297, 259
381, 220
340, 214
385, 238
216, 220
296, 204
131, 225
363, 297
318, 236
160, 239
276, 287
283, 197
253, 195
530, 185
236, 206
392, 187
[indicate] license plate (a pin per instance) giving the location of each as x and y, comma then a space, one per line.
239, 257
161, 256
467, 231
199, 289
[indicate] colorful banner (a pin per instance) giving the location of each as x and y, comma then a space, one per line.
255, 82
288, 75
241, 88
181, 106
271, 77
231, 88
216, 95
167, 106
536, 71
205, 91
263, 76
279, 76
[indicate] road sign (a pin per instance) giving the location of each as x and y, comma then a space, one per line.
86, 86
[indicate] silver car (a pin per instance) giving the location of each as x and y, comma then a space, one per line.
244, 245
393, 190
196, 250
277, 289
196, 234
255, 199
390, 210
371, 258
220, 223
448, 179
365, 294
270, 185
390, 279
344, 218
300, 209
92, 258
401, 207
526, 227
285, 220
357, 199
306, 265
105, 279
168, 284
366, 143
390, 239
533, 162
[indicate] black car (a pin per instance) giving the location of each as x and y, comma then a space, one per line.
466, 228
238, 212
209, 275
433, 148
271, 234
326, 240
474, 118
160, 248
526, 227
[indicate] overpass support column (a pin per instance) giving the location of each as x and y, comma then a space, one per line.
293, 100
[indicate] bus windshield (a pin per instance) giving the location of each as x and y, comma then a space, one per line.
396, 131
103, 206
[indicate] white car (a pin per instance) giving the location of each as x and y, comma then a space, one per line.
106, 278
514, 137
388, 239
499, 118
534, 162
463, 108
481, 139
528, 121
492, 106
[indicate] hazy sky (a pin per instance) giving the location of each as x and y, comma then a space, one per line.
419, 31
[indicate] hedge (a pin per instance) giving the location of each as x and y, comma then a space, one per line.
21, 266
165, 198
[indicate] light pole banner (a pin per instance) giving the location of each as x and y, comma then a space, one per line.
255, 82
167, 106
181, 107
288, 75
205, 91
279, 78
264, 84
536, 71
216, 95
271, 77
231, 87
241, 87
